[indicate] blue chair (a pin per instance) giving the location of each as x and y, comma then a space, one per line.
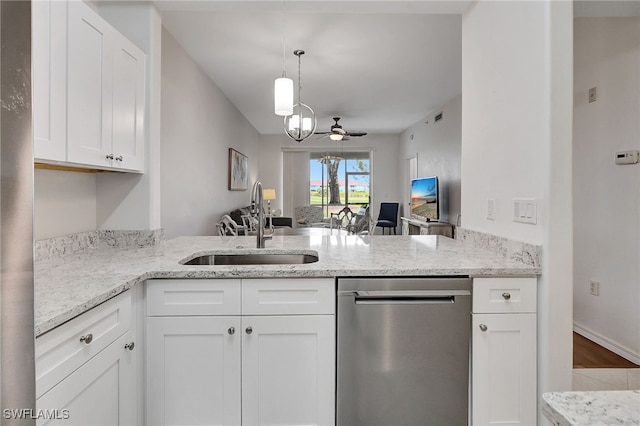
388, 216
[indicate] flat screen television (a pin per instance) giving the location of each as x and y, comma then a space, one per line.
425, 203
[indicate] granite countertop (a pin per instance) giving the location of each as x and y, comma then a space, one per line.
592, 408
66, 287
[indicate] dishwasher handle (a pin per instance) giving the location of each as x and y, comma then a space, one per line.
379, 297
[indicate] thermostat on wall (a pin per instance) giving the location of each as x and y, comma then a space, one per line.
627, 157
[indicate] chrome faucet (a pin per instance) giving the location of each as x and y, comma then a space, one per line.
256, 204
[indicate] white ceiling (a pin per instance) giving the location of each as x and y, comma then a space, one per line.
380, 65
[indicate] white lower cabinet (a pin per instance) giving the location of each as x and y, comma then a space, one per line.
504, 352
237, 366
288, 370
193, 370
101, 392
86, 369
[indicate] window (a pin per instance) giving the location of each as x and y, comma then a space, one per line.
339, 179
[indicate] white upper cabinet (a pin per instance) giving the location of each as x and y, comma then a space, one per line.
103, 85
49, 43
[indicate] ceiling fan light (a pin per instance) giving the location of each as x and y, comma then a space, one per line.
335, 136
283, 96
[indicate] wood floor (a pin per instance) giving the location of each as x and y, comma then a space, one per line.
587, 354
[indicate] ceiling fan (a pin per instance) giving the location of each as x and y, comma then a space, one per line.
337, 133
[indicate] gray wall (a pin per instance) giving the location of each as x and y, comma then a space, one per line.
199, 125
437, 148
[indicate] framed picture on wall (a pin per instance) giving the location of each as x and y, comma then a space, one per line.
238, 171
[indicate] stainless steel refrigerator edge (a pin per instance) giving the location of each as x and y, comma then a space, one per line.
403, 351
17, 370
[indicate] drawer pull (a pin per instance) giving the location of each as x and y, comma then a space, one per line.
109, 156
87, 339
119, 158
232, 330
506, 295
249, 330
483, 327
130, 346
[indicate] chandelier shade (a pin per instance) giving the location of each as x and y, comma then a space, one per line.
283, 96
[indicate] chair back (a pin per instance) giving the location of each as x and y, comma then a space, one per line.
389, 211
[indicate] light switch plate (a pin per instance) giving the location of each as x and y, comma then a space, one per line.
525, 210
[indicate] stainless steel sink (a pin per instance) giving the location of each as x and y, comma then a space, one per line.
254, 259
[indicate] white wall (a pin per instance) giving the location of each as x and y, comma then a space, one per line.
64, 203
384, 165
606, 196
437, 148
516, 142
199, 125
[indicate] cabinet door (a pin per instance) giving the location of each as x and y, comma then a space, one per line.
49, 28
288, 372
128, 105
193, 370
504, 369
101, 392
89, 61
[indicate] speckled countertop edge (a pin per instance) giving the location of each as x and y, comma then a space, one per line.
67, 287
592, 408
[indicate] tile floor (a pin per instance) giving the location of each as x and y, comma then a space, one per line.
591, 379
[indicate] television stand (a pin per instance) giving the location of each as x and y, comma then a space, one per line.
412, 226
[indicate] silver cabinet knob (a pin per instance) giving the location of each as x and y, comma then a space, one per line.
506, 295
109, 156
87, 338
119, 158
249, 330
130, 346
232, 330
483, 327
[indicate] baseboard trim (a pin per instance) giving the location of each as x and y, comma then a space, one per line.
605, 342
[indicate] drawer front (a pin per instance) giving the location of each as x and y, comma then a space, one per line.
288, 296
193, 297
504, 295
65, 348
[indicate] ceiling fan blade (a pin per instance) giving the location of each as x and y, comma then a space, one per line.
321, 133
357, 133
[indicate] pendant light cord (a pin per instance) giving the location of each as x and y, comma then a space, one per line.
284, 50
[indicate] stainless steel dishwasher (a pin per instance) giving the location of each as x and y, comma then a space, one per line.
403, 351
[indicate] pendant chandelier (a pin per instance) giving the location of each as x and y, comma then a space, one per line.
302, 122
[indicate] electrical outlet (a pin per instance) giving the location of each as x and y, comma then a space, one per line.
594, 288
491, 209
593, 96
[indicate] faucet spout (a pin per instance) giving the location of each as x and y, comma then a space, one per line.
257, 200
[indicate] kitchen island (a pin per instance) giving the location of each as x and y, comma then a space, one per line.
66, 287
229, 343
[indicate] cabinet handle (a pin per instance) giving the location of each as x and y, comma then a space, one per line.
506, 295
119, 158
130, 346
483, 327
232, 330
109, 156
249, 330
87, 339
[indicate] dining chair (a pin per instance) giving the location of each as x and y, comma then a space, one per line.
388, 217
